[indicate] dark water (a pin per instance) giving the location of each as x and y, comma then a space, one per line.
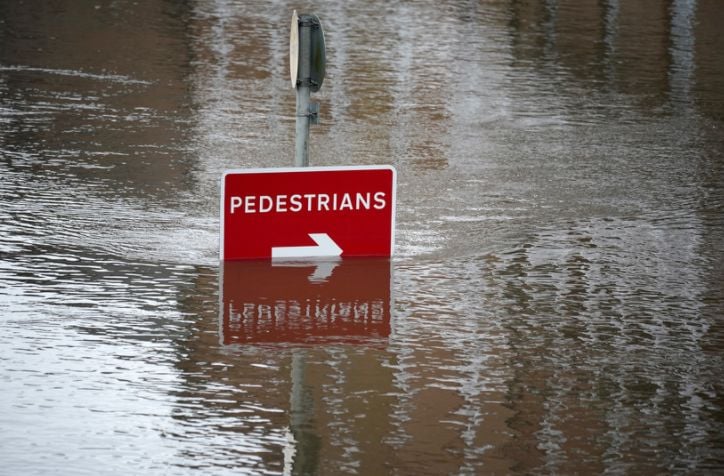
555, 304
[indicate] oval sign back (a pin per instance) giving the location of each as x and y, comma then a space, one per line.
294, 49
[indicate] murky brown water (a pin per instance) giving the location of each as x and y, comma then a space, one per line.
555, 305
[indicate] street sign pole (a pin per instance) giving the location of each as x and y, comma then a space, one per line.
307, 69
301, 150
301, 155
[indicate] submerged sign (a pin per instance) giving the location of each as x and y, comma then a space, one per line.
305, 301
290, 213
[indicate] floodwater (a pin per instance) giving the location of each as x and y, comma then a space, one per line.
555, 304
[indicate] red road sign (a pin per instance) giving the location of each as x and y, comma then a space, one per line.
290, 213
321, 301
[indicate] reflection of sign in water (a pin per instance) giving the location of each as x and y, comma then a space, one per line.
308, 212
312, 302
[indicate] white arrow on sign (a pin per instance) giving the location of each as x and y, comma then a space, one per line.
326, 247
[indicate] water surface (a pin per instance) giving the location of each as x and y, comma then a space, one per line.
555, 303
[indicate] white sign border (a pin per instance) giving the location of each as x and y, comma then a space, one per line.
330, 168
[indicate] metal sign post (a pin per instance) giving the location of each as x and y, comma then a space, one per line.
307, 68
